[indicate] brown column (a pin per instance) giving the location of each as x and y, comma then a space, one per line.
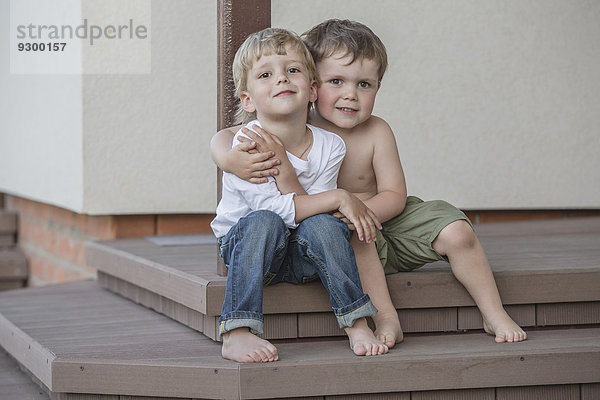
237, 19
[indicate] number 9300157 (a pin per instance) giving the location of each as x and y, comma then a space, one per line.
50, 46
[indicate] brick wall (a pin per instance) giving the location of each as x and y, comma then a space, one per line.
53, 238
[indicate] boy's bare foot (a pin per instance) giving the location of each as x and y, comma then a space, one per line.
242, 346
504, 328
388, 330
362, 340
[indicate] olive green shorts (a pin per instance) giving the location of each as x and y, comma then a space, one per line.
404, 243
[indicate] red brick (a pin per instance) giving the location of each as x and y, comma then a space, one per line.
31, 231
39, 210
518, 215
134, 226
472, 215
62, 217
38, 267
100, 227
79, 222
68, 248
183, 224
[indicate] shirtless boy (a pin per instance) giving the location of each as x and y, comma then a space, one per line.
351, 61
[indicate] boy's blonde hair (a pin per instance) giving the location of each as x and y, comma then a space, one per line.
348, 37
263, 43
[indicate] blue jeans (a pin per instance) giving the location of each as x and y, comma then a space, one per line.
260, 250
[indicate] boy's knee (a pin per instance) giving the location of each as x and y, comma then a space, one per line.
325, 228
457, 235
264, 218
262, 221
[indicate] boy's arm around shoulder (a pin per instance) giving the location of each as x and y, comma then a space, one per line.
391, 184
220, 145
242, 160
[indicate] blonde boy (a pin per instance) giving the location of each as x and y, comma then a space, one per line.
351, 61
267, 236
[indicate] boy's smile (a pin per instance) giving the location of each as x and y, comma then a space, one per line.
347, 95
278, 85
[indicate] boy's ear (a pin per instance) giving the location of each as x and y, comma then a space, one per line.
313, 92
247, 103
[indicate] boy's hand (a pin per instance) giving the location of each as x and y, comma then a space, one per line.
345, 220
360, 216
248, 164
266, 142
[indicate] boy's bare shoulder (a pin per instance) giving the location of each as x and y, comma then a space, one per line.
231, 130
376, 128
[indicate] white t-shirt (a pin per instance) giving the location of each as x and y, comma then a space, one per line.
318, 174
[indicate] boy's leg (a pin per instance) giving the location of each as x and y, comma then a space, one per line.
320, 247
372, 277
468, 261
436, 230
253, 250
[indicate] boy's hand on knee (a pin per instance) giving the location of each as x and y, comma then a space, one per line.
345, 220
364, 220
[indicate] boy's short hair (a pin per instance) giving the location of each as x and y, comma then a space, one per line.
350, 37
266, 42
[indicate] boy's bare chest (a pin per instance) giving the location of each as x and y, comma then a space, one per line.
356, 173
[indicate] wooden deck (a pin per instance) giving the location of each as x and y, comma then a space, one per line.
13, 264
79, 338
8, 228
15, 384
548, 273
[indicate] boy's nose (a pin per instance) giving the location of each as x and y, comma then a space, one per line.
282, 78
349, 93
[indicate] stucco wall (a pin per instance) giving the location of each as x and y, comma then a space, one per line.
41, 152
118, 143
495, 104
146, 136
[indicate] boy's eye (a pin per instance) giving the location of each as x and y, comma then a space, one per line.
364, 85
264, 75
293, 70
336, 81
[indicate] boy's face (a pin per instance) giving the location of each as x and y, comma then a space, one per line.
347, 95
279, 85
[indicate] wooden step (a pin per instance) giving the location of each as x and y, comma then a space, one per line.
78, 338
8, 228
548, 273
14, 383
13, 269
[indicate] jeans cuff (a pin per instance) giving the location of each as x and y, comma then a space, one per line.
231, 322
346, 316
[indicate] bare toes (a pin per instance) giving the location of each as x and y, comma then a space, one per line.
360, 350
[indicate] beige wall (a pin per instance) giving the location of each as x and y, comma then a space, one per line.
146, 136
41, 153
495, 104
118, 144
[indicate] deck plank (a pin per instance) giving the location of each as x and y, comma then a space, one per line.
8, 222
528, 259
15, 384
155, 356
460, 361
469, 394
13, 265
555, 392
